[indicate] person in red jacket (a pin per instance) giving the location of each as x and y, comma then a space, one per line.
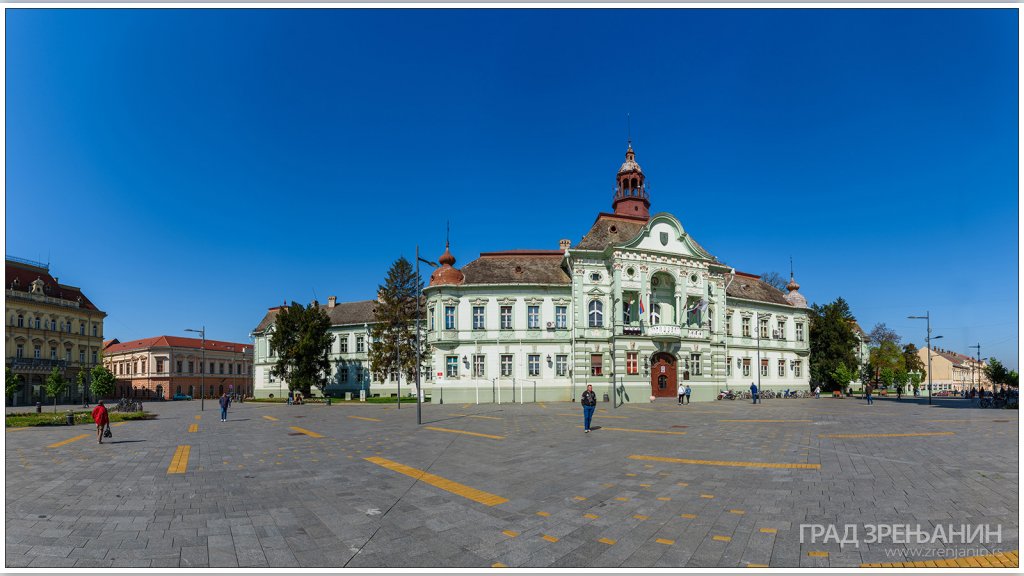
102, 420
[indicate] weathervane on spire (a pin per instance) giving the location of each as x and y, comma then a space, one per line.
629, 132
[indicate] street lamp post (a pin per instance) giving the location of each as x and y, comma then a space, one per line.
202, 368
977, 365
928, 340
419, 291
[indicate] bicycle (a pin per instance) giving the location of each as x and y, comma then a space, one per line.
985, 403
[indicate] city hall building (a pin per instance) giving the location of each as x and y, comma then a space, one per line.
635, 308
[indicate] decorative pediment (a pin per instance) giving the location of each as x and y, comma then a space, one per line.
533, 301
478, 302
506, 301
596, 292
450, 301
664, 234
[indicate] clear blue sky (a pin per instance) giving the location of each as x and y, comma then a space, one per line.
191, 167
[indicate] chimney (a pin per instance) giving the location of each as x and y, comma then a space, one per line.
332, 301
564, 244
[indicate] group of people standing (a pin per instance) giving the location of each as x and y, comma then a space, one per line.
684, 394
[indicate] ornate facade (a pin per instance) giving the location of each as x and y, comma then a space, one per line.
635, 308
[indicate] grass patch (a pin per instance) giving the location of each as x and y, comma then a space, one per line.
382, 400
24, 419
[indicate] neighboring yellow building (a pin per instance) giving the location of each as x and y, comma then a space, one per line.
49, 325
954, 371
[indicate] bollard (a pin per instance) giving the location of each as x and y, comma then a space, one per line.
39, 407
71, 418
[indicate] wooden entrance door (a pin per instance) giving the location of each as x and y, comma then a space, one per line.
663, 375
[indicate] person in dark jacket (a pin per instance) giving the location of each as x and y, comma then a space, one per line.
589, 402
753, 392
224, 403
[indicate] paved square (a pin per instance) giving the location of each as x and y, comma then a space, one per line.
722, 484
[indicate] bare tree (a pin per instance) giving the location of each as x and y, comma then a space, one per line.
776, 280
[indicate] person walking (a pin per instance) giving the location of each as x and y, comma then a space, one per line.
589, 402
753, 392
224, 403
680, 391
687, 393
867, 391
817, 391
102, 420
899, 391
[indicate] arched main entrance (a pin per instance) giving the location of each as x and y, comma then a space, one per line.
663, 375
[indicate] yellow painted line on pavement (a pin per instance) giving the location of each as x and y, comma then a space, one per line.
271, 418
752, 565
818, 554
179, 462
638, 430
580, 498
549, 538
199, 416
366, 418
591, 516
602, 416
770, 530
766, 420
193, 428
707, 496
19, 428
640, 517
306, 432
886, 435
486, 417
724, 462
119, 423
485, 498
510, 533
688, 516
997, 560
664, 498
737, 512
545, 514
499, 565
722, 538
68, 441
607, 541
464, 432
665, 541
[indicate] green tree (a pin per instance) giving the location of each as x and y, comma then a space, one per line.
913, 363
302, 339
394, 333
102, 385
888, 358
833, 342
997, 373
82, 381
12, 382
56, 384
842, 375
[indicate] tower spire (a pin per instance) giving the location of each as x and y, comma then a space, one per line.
631, 195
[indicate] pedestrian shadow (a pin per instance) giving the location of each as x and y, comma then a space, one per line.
122, 441
592, 428
238, 419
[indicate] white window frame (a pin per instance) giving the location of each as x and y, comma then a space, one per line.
782, 368
533, 317
505, 312
449, 318
745, 326
479, 366
507, 365
533, 364
561, 317
561, 364
632, 363
799, 331
695, 365
451, 366
479, 313
595, 314
746, 367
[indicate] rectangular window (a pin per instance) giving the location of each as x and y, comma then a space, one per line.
763, 324
796, 369
67, 355
53, 353
69, 327
95, 330
343, 375
728, 324
506, 317
478, 365
238, 369
631, 364
160, 366
533, 317
782, 368
595, 364
449, 317
695, 364
359, 374
94, 359
799, 331
20, 353
221, 367
37, 352
451, 366
782, 330
81, 328
360, 343
561, 317
343, 340
506, 365
728, 366
746, 366
478, 317
764, 367
745, 324
191, 366
533, 363
229, 368
430, 314
212, 368
561, 365
81, 356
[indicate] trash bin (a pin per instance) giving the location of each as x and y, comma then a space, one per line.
606, 398
39, 407
348, 395
71, 418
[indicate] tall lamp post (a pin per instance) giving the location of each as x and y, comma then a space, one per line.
202, 368
977, 366
928, 340
759, 316
419, 291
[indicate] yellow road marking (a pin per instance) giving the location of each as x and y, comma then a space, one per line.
622, 499
19, 428
510, 533
591, 516
549, 538
640, 517
607, 541
486, 417
485, 498
365, 418
602, 416
580, 498
541, 404
119, 423
499, 565
708, 496
765, 420
68, 441
645, 485
630, 474
723, 462
664, 498
464, 432
638, 430
193, 428
199, 416
271, 418
722, 538
179, 462
752, 565
738, 512
770, 530
306, 432
885, 435
818, 554
664, 541
545, 514
683, 484
688, 516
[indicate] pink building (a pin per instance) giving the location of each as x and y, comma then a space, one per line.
163, 366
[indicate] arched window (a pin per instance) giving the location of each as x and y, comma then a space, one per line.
656, 314
21, 321
596, 314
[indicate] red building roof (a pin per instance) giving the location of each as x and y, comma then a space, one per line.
176, 342
20, 277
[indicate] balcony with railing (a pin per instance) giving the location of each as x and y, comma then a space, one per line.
20, 295
36, 364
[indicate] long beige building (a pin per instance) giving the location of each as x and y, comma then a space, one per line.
954, 371
49, 325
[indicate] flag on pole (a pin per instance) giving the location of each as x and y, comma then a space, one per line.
641, 299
